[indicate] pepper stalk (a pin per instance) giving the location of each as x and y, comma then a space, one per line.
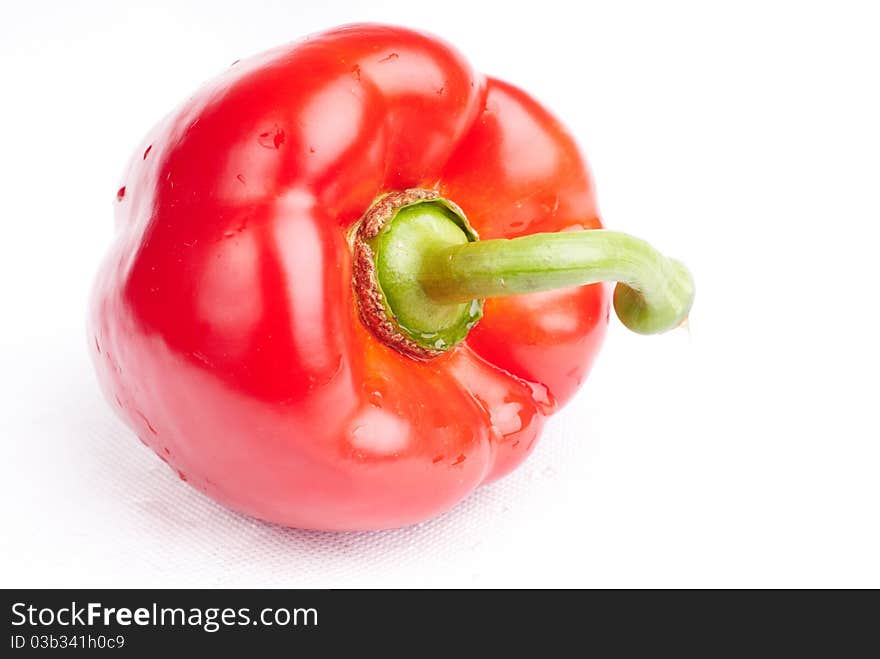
421, 273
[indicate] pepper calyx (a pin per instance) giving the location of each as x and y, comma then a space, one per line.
394, 241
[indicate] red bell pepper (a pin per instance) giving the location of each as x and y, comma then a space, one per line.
313, 310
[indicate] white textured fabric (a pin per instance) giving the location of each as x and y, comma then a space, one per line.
742, 454
89, 505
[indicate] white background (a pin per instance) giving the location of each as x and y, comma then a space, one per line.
743, 139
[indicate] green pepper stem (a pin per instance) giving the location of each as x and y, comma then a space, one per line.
654, 293
421, 274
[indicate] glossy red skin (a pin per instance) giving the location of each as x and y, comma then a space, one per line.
223, 324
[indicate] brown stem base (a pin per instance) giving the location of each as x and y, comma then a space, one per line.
371, 303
